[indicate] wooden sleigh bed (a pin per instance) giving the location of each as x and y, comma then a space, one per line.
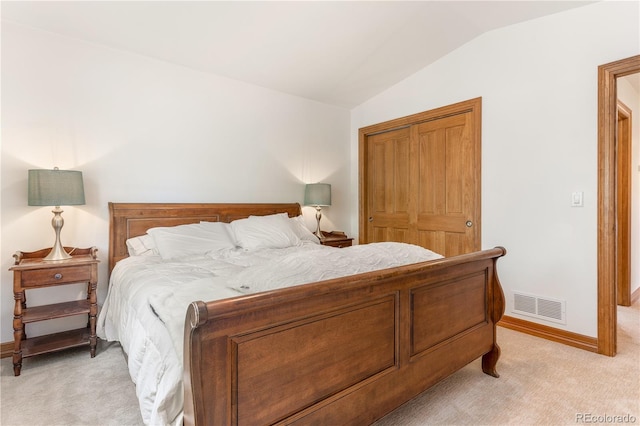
342, 351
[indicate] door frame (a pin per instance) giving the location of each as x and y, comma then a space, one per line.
607, 199
472, 105
624, 157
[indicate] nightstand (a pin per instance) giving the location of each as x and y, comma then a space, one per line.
336, 239
32, 272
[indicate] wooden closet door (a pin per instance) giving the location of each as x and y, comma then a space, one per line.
389, 187
420, 180
445, 187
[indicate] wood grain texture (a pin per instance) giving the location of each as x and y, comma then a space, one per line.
607, 198
343, 351
420, 179
128, 220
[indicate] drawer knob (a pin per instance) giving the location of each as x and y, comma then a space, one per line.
58, 276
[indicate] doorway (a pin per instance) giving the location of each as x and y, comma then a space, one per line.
607, 199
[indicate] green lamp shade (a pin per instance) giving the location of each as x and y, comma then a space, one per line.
317, 194
55, 188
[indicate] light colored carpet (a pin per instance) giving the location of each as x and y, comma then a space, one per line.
69, 388
541, 383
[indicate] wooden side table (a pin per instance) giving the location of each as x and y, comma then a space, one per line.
32, 272
336, 239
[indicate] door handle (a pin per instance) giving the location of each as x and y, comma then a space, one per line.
469, 224
370, 218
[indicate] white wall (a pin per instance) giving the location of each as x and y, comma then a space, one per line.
630, 96
538, 83
142, 130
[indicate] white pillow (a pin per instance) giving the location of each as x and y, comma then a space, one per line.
272, 231
143, 245
193, 239
220, 231
300, 228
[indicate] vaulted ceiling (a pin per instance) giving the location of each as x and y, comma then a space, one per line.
336, 52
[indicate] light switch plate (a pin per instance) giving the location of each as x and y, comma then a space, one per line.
577, 199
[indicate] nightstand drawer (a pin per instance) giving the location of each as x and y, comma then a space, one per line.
336, 239
338, 243
54, 276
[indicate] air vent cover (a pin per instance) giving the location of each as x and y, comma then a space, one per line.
539, 307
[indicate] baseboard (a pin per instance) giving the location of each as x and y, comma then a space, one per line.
635, 296
550, 333
6, 349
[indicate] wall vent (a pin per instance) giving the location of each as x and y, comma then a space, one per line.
539, 307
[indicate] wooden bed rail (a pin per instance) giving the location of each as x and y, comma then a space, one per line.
346, 350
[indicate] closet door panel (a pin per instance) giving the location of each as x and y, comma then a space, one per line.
388, 186
445, 185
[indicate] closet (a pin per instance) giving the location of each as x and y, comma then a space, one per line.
420, 179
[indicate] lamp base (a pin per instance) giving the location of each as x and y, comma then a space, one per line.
57, 251
318, 232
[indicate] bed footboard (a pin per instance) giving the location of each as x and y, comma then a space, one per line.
343, 351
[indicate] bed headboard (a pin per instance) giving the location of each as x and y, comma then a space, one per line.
128, 220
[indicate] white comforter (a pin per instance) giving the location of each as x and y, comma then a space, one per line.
148, 298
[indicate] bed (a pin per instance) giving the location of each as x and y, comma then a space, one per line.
336, 350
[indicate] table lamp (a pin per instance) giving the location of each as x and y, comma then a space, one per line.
317, 195
56, 188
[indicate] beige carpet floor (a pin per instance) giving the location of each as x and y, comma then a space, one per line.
69, 388
541, 383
